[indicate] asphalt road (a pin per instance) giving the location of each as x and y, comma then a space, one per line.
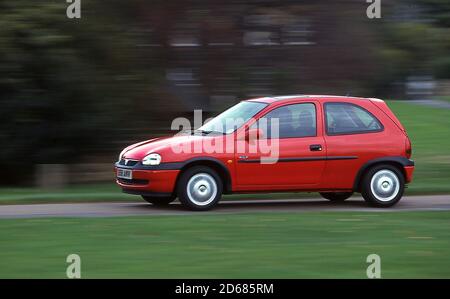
105, 209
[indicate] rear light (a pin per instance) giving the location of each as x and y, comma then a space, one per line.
408, 150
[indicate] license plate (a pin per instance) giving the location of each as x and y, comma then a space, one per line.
124, 173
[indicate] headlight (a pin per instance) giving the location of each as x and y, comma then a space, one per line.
152, 159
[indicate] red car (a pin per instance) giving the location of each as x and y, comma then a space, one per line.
328, 144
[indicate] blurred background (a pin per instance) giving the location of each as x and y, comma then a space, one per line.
74, 92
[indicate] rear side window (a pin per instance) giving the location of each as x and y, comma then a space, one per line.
346, 118
294, 120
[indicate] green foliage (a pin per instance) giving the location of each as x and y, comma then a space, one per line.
418, 45
67, 86
438, 10
441, 67
409, 49
64, 83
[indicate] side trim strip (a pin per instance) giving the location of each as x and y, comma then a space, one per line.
302, 159
342, 158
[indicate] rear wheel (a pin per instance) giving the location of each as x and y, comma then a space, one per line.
336, 196
199, 188
159, 201
383, 186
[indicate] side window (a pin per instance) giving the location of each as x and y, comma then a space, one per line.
296, 120
344, 118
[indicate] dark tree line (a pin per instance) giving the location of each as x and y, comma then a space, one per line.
79, 89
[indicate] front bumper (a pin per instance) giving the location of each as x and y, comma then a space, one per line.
146, 181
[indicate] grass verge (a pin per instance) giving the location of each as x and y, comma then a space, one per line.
261, 245
107, 193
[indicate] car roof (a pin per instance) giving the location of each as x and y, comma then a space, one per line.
274, 99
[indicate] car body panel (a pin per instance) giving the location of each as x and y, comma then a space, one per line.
390, 141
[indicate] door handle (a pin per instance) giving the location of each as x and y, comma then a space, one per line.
315, 147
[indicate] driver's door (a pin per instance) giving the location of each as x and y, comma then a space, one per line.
301, 155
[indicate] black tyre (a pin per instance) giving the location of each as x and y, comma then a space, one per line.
159, 201
199, 188
336, 196
383, 186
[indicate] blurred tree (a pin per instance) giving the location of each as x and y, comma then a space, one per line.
69, 86
417, 43
65, 84
438, 11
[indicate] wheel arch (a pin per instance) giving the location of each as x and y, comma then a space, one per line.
398, 162
213, 163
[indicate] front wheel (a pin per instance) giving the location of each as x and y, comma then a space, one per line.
159, 201
336, 196
199, 188
383, 186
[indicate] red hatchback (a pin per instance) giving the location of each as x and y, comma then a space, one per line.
328, 144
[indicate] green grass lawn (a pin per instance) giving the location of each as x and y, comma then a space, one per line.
260, 245
106, 192
428, 128
83, 193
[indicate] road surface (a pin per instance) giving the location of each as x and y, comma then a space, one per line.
106, 209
